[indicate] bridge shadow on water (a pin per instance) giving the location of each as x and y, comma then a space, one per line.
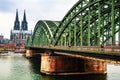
35, 67
35, 64
75, 77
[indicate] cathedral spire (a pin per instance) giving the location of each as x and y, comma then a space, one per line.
17, 18
24, 17
17, 23
24, 22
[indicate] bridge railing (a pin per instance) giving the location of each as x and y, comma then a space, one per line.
114, 49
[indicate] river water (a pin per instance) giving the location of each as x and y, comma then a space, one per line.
17, 67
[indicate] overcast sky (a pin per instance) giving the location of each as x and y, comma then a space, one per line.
35, 10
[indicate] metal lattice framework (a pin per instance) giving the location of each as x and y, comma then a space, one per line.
29, 41
88, 22
43, 33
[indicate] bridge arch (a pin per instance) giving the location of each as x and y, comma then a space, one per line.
29, 41
43, 32
90, 22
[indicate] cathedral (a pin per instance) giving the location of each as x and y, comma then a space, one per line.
20, 33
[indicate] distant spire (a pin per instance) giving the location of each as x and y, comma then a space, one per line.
11, 36
17, 23
24, 17
17, 18
24, 22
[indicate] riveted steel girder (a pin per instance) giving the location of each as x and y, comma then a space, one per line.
87, 23
43, 32
94, 22
29, 41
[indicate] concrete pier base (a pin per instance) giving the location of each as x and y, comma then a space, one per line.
65, 65
29, 53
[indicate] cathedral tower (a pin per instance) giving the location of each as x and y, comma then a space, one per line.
17, 23
20, 33
24, 23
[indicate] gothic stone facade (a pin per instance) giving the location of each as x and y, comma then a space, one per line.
19, 34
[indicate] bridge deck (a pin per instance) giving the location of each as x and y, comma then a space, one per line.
106, 53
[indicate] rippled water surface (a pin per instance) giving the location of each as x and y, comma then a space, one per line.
20, 68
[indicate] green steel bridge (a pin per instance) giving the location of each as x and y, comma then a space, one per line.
89, 26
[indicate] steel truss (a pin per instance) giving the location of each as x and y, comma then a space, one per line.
87, 23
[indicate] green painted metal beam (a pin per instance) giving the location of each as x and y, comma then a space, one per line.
81, 31
113, 23
89, 31
75, 27
119, 29
69, 36
87, 23
43, 32
99, 24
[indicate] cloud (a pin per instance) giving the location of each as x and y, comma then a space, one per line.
53, 9
6, 5
6, 24
35, 10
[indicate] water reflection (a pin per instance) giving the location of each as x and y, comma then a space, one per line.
14, 68
20, 68
35, 67
74, 77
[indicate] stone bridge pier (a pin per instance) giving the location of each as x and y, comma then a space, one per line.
32, 53
54, 64
66, 65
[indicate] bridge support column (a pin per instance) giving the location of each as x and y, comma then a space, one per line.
29, 53
65, 65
